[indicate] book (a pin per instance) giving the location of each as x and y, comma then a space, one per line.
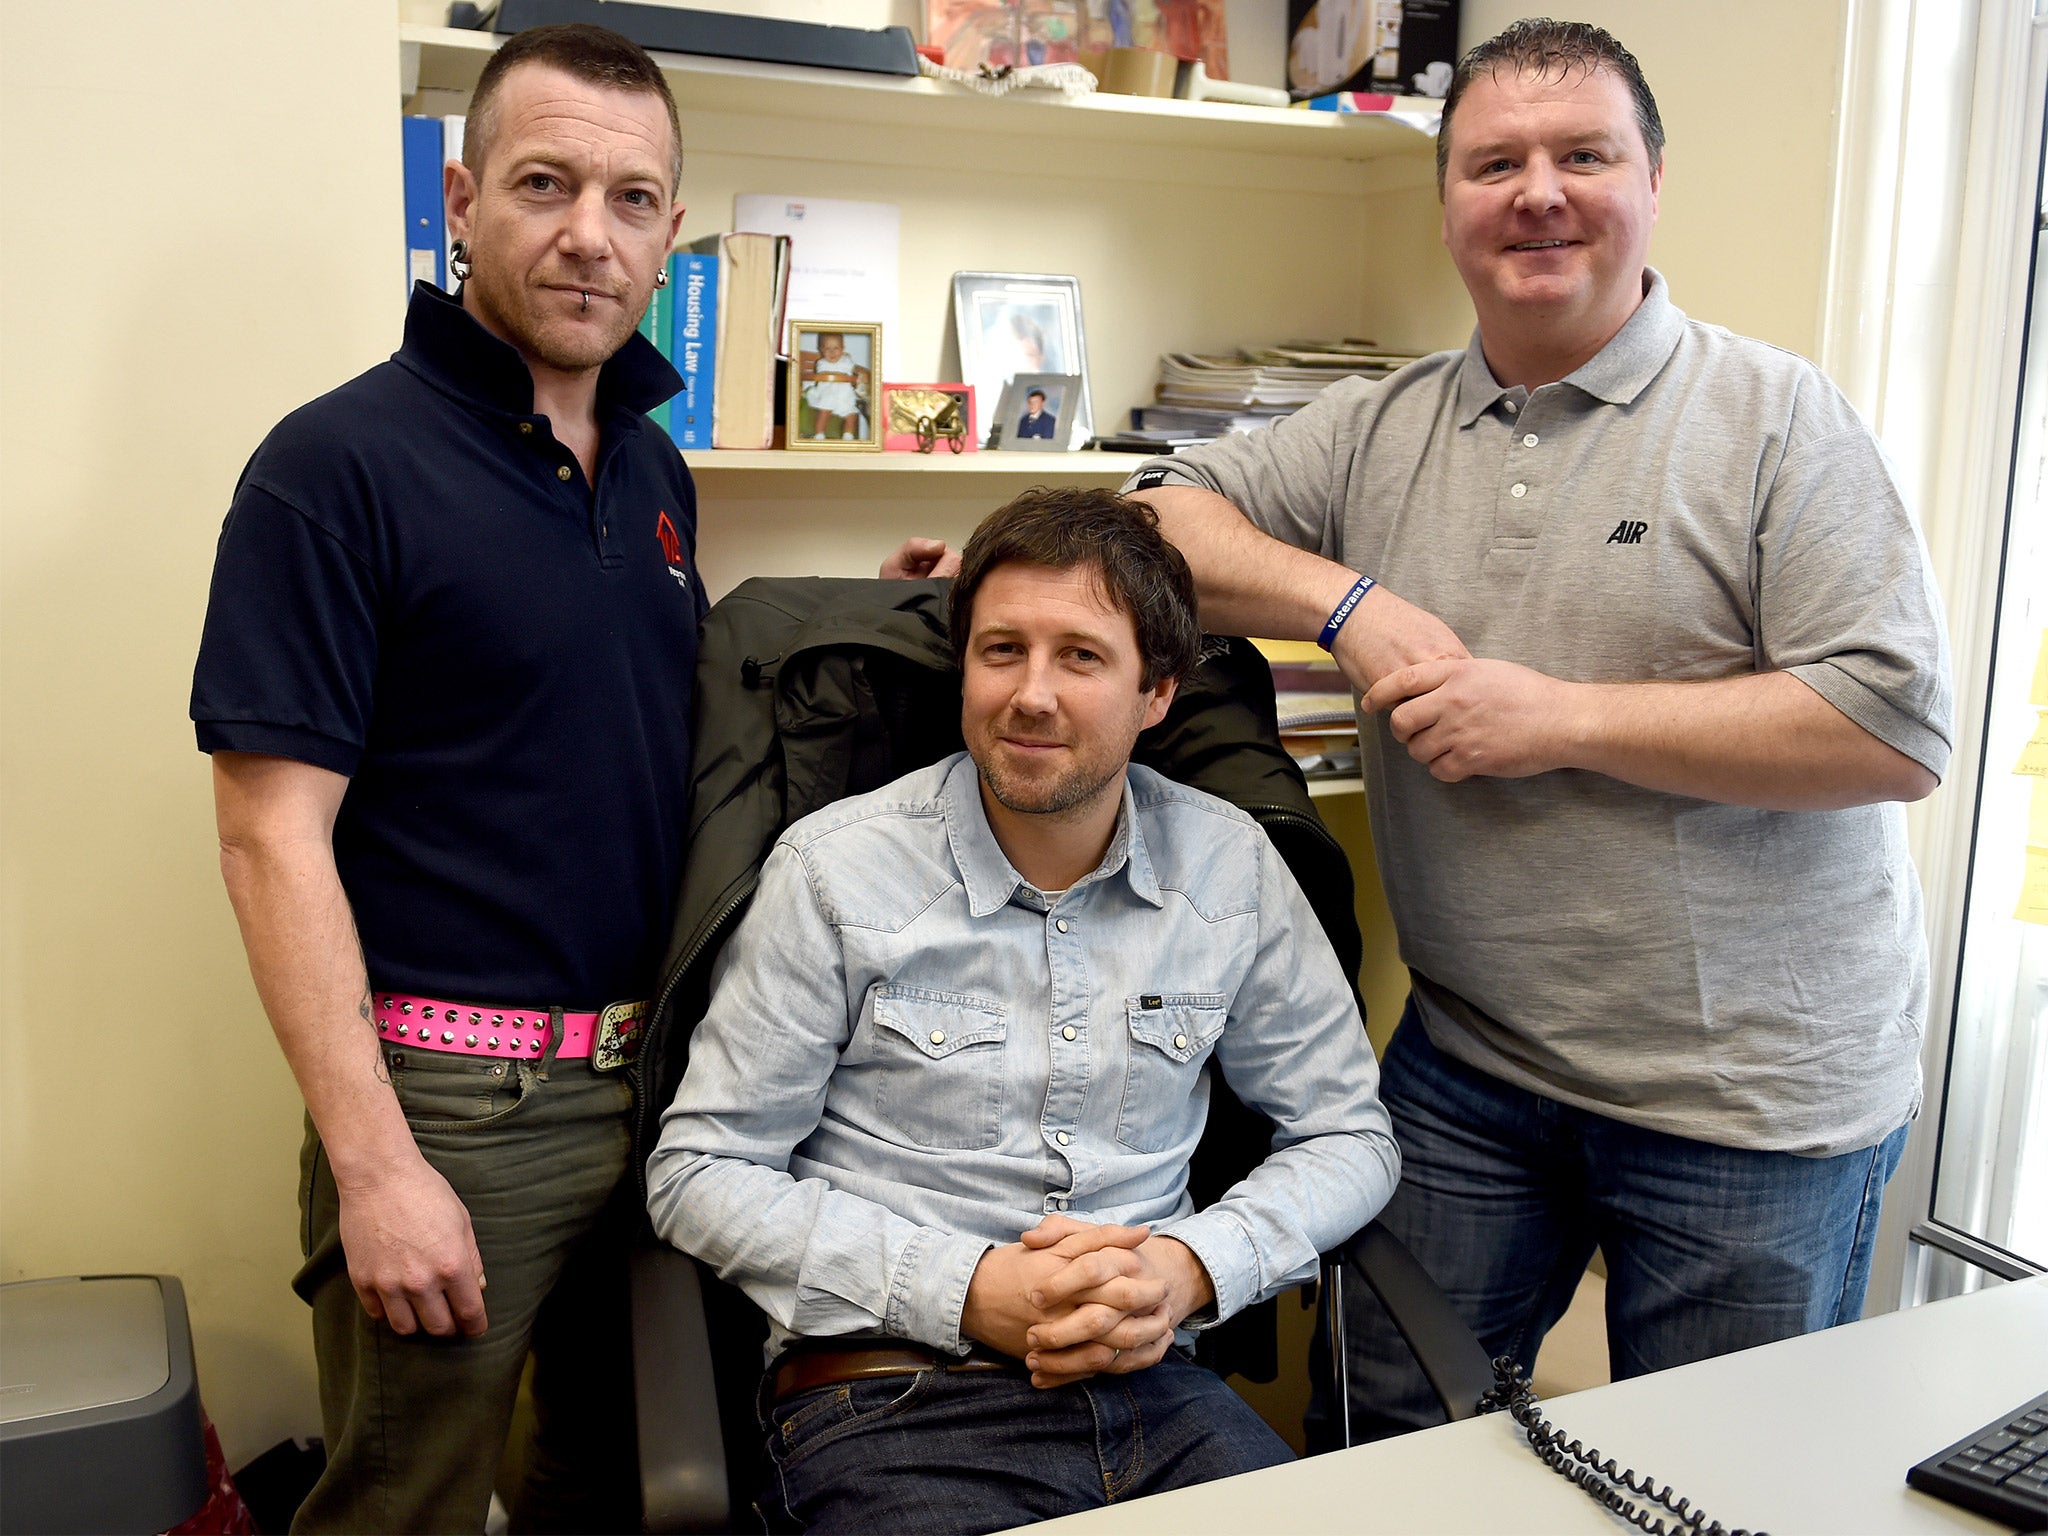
753, 291
1197, 421
693, 345
654, 325
1148, 440
426, 225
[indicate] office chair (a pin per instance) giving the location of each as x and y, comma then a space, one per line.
864, 667
678, 1384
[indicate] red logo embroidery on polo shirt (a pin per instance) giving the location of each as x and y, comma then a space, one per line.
672, 549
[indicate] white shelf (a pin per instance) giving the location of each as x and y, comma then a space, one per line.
1325, 789
451, 59
1085, 465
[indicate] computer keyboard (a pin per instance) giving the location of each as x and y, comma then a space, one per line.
2001, 1471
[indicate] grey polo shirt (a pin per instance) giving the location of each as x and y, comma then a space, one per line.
1690, 504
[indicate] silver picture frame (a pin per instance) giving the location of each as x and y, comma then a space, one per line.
1010, 323
1044, 423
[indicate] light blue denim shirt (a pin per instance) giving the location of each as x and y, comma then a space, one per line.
912, 1055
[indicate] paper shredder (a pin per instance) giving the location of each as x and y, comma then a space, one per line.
100, 1426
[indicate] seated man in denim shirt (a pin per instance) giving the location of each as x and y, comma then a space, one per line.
937, 1119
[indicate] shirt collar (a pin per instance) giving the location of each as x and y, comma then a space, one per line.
985, 870
445, 344
1616, 374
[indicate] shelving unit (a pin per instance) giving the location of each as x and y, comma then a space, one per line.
450, 59
1087, 467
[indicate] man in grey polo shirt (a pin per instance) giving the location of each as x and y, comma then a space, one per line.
1642, 840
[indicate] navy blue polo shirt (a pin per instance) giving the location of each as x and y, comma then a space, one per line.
416, 587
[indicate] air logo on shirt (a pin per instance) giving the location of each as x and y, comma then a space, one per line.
1626, 532
672, 550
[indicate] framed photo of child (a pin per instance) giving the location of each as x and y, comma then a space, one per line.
834, 367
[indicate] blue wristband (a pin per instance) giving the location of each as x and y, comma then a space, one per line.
1342, 611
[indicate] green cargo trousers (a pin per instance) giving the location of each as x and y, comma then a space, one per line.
416, 1425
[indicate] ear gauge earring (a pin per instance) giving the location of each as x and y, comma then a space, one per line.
661, 277
458, 260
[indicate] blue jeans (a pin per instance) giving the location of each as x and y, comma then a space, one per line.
970, 1451
1505, 1194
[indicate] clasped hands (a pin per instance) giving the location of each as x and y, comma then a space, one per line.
1458, 715
1071, 1299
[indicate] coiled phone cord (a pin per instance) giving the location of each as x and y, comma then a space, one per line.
1586, 1467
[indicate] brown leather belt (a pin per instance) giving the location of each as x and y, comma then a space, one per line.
805, 1370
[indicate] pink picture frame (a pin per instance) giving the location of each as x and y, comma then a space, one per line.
929, 418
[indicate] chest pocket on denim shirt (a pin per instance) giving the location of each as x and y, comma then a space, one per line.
1169, 1047
941, 1061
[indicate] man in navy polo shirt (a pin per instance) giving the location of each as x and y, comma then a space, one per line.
446, 680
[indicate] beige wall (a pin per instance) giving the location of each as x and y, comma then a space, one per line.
203, 234
205, 207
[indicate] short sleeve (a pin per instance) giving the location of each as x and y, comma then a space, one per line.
1845, 598
288, 655
1287, 478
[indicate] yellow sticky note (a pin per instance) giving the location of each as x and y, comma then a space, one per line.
2038, 694
2033, 907
2037, 815
2034, 755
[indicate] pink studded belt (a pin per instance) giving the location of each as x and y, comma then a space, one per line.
610, 1037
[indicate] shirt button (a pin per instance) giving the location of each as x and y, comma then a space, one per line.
1510, 406
562, 471
1529, 441
1061, 1204
1064, 1138
1180, 1042
1061, 925
526, 429
1518, 490
938, 1037
1069, 1032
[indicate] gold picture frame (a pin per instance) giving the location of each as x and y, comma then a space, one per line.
833, 392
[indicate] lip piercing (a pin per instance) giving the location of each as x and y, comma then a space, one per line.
586, 298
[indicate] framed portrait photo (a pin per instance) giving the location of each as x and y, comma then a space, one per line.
834, 367
1037, 413
927, 418
1013, 323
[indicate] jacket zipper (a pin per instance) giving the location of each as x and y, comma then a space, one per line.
1314, 824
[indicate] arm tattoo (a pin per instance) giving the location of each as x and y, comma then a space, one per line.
383, 1068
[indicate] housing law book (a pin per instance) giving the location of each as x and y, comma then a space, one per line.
693, 345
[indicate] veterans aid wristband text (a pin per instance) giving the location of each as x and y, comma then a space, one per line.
1342, 611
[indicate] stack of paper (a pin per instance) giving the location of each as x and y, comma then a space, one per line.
1269, 378
1318, 714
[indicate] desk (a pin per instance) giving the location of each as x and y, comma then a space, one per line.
1807, 1435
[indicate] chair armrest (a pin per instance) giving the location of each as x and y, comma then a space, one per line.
1451, 1357
682, 1451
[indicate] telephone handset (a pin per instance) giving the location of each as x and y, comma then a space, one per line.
1602, 1480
